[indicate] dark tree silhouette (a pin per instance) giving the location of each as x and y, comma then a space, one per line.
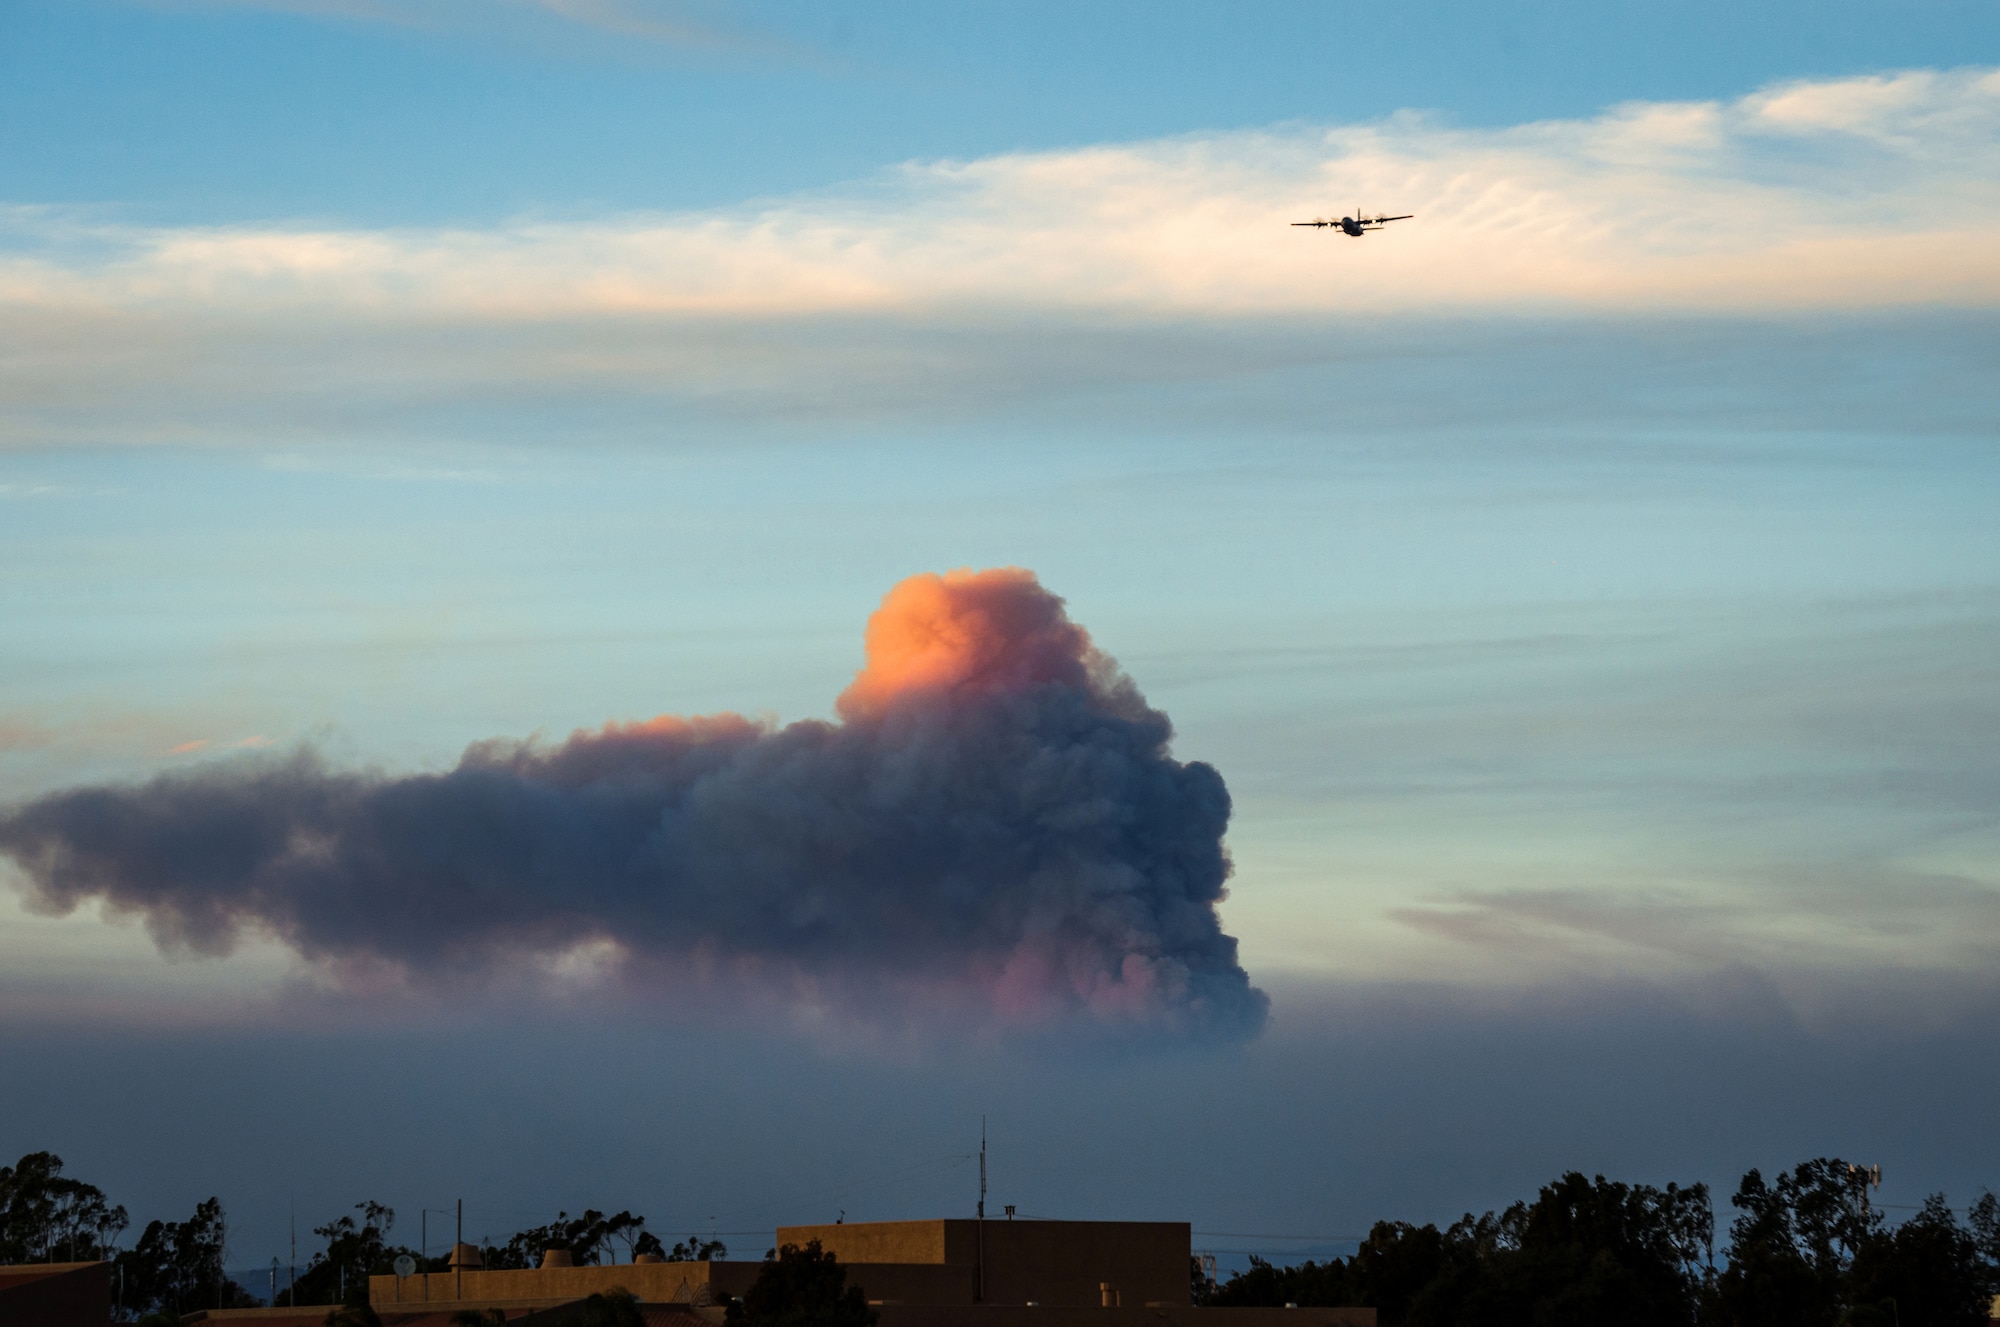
590, 1239
694, 1249
355, 1250
1791, 1250
46, 1216
176, 1266
802, 1287
1927, 1272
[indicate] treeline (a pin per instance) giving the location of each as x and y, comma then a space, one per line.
177, 1267
1806, 1249
358, 1247
47, 1216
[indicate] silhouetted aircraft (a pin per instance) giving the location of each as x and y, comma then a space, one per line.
1354, 225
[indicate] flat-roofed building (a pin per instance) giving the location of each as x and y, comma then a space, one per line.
940, 1273
1067, 1264
55, 1294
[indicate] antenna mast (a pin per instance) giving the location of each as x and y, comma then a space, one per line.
979, 1291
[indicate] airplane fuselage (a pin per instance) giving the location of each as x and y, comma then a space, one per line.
1356, 226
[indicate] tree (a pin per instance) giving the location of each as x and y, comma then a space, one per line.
176, 1266
1309, 1284
1769, 1282
46, 1216
1586, 1251
1593, 1250
1984, 1222
694, 1249
355, 1250
1830, 1212
1393, 1265
1927, 1272
1791, 1249
802, 1287
590, 1239
616, 1307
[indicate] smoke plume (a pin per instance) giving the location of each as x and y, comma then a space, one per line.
994, 825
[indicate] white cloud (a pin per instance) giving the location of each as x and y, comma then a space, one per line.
1857, 194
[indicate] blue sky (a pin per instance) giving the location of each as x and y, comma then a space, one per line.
1587, 589
477, 109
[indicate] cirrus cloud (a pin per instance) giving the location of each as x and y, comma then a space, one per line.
1860, 196
1863, 192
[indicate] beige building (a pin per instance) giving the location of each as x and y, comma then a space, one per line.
945, 1273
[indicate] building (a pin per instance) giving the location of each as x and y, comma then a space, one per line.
944, 1273
55, 1294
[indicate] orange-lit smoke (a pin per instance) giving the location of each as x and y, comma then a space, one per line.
968, 633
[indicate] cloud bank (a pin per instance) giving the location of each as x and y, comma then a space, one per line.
993, 830
1862, 192
1025, 273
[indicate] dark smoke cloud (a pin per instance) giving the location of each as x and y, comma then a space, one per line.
993, 827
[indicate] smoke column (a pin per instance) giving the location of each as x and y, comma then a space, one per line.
994, 827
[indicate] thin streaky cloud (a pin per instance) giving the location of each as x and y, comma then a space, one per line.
1872, 192
1876, 196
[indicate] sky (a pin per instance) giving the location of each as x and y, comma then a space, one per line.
1585, 591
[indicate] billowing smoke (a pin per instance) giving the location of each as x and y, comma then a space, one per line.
994, 826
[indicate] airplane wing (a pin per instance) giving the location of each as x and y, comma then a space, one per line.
1405, 217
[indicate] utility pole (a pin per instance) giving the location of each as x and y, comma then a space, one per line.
458, 1286
294, 1287
979, 1295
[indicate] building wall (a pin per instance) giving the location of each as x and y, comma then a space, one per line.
914, 1283
884, 1241
1014, 1315
74, 1294
1053, 1263
655, 1283
899, 1264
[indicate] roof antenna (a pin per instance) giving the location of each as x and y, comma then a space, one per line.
979, 1285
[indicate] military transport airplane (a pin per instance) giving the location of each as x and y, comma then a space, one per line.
1355, 225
